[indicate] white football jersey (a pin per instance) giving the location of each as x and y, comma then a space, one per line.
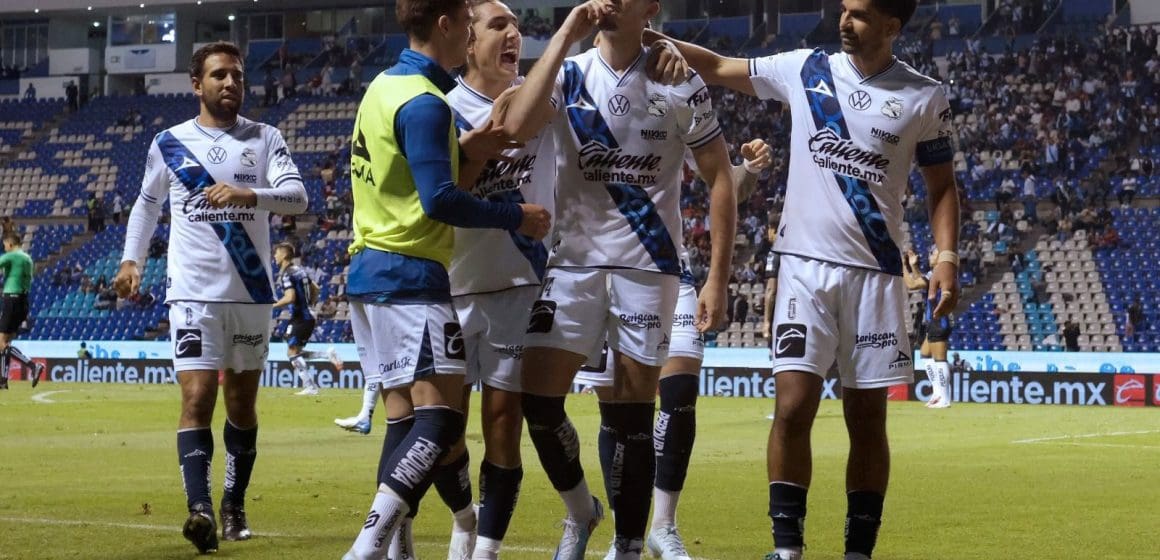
622, 139
216, 254
489, 260
853, 141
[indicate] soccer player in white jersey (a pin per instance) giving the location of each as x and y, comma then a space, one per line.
614, 266
223, 174
676, 423
861, 118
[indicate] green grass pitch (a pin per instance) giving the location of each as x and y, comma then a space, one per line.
79, 471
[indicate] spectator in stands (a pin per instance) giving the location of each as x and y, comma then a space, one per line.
328, 309
354, 79
95, 215
106, 299
959, 365
73, 94
1006, 192
327, 75
740, 308
30, 93
1110, 239
1071, 336
77, 275
953, 27
289, 83
132, 118
1039, 290
118, 208
1062, 196
86, 284
1135, 318
1015, 262
61, 277
1127, 192
1030, 200
83, 352
270, 89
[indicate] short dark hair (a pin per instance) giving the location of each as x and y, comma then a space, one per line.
288, 247
13, 238
197, 62
418, 17
901, 9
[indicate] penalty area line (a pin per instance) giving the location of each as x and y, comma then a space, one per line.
42, 398
1083, 436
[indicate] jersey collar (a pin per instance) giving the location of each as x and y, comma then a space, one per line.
475, 93
413, 62
863, 79
627, 71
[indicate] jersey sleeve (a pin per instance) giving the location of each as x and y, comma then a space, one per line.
935, 143
696, 119
773, 75
287, 193
280, 166
557, 98
143, 217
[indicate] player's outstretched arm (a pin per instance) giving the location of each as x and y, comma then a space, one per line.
713, 161
529, 110
715, 69
943, 201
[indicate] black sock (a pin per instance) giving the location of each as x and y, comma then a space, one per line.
194, 455
499, 488
241, 452
397, 430
787, 508
630, 465
863, 517
675, 430
453, 482
411, 467
556, 440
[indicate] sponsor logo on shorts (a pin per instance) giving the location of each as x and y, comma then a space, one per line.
543, 314
513, 351
453, 342
249, 339
187, 344
641, 320
876, 340
900, 360
1129, 390
790, 341
400, 363
684, 320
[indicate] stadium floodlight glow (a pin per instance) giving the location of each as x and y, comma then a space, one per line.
231, 17
96, 24
36, 10
141, 5
90, 8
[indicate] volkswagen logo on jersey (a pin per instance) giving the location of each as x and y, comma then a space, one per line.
453, 342
859, 100
217, 154
790, 341
187, 344
892, 108
619, 105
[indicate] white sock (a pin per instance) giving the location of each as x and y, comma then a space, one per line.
935, 387
465, 519
942, 372
370, 399
856, 556
788, 553
486, 549
387, 513
664, 508
299, 364
403, 543
579, 502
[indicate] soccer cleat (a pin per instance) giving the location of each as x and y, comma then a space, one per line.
938, 402
665, 543
783, 556
354, 424
308, 391
201, 529
234, 524
335, 361
574, 541
37, 372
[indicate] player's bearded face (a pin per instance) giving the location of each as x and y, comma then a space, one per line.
222, 86
862, 28
494, 49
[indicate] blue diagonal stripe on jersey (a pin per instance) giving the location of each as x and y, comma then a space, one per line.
632, 201
827, 113
240, 248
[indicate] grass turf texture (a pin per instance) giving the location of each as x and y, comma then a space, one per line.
79, 471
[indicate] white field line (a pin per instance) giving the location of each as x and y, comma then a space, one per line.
176, 528
42, 398
1083, 436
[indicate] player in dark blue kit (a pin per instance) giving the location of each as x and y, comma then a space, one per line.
299, 292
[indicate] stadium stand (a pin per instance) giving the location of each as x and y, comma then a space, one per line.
1076, 111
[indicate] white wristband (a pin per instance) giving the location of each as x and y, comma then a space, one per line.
749, 167
948, 256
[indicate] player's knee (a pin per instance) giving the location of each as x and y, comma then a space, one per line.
793, 419
542, 411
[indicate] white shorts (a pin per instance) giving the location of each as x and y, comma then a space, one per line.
580, 307
399, 344
827, 313
493, 335
219, 336
686, 342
